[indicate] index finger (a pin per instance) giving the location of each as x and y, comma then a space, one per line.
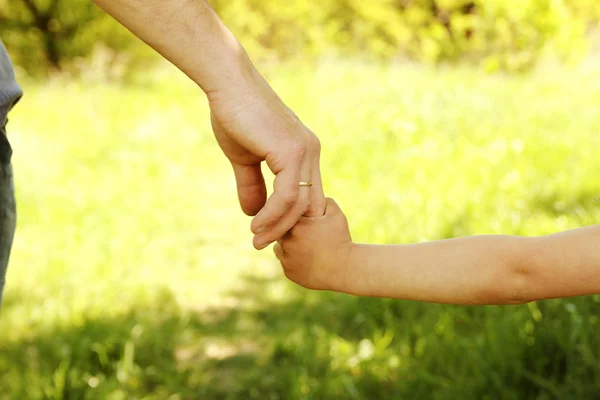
289, 219
285, 195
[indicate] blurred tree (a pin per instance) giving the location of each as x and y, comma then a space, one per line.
64, 35
497, 34
53, 24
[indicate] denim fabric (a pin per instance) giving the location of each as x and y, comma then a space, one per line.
8, 209
10, 93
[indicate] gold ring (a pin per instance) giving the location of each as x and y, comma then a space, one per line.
307, 184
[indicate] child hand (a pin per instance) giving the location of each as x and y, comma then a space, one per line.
316, 252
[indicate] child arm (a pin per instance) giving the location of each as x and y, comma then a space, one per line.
490, 269
564, 264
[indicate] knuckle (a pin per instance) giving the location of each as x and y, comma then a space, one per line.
275, 160
315, 144
299, 147
290, 197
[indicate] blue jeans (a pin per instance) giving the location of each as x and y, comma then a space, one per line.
8, 209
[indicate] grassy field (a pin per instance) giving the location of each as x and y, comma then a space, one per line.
133, 274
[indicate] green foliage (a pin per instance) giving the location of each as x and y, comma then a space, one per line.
497, 34
501, 34
133, 275
69, 35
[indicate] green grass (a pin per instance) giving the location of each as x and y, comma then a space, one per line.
133, 274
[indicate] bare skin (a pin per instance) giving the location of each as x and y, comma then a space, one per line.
250, 122
318, 253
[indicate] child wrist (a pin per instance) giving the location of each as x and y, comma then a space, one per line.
350, 279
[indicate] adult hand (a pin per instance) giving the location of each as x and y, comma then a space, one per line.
250, 121
252, 124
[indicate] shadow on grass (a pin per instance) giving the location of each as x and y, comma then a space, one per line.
277, 341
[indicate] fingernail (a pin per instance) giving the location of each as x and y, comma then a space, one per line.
259, 230
260, 247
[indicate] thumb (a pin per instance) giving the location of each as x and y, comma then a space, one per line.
332, 208
251, 188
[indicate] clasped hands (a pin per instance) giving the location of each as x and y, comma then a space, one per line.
252, 125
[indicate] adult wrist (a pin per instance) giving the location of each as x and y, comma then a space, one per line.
208, 52
232, 75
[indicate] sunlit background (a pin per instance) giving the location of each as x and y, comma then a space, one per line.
133, 274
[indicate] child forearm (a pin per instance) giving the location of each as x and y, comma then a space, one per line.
482, 269
469, 270
564, 264
495, 269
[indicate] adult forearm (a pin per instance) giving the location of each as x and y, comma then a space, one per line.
470, 270
189, 34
